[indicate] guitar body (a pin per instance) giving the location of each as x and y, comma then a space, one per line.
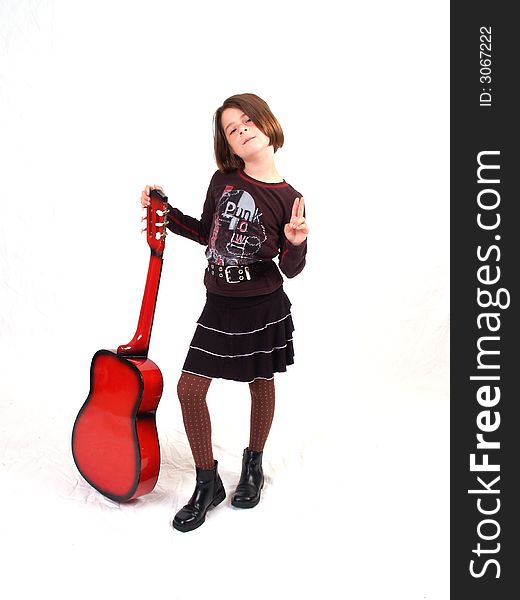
114, 441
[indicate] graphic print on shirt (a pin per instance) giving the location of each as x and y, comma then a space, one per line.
238, 232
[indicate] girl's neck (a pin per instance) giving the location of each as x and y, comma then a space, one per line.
263, 170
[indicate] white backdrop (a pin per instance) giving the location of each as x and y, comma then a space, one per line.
98, 99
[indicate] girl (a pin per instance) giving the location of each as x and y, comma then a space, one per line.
250, 216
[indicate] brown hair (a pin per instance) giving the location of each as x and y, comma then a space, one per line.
260, 113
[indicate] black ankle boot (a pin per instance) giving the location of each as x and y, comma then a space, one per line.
251, 481
209, 491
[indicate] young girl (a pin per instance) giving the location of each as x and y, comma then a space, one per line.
251, 215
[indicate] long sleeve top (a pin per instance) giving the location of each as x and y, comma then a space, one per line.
242, 223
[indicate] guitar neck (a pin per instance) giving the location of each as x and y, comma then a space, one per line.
155, 234
140, 343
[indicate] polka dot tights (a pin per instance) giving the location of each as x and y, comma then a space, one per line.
262, 412
192, 391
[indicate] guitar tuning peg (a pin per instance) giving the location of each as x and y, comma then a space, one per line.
143, 218
143, 230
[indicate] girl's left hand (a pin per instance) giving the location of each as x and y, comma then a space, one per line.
297, 230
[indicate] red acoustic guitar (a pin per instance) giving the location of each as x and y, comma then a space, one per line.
114, 440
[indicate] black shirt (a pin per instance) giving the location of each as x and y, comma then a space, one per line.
242, 223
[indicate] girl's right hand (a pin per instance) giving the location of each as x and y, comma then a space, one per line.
145, 194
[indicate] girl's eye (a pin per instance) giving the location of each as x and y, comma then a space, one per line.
232, 131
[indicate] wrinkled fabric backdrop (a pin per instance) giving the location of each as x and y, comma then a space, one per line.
99, 99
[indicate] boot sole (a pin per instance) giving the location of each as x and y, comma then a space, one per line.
190, 527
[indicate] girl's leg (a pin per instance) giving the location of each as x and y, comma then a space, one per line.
192, 390
209, 490
262, 412
247, 494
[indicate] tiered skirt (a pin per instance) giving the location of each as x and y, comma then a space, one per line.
242, 339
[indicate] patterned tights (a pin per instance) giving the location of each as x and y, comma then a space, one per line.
192, 390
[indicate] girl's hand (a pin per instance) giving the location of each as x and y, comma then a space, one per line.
145, 194
297, 230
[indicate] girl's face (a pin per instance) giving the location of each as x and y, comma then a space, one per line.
243, 136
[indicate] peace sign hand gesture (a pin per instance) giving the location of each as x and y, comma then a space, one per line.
297, 230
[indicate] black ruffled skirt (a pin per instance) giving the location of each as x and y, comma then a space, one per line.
242, 339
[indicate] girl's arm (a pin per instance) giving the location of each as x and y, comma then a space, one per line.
294, 245
194, 229
181, 224
292, 258
189, 227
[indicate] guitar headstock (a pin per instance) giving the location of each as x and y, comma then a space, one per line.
156, 221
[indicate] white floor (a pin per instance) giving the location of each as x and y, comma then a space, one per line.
355, 503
